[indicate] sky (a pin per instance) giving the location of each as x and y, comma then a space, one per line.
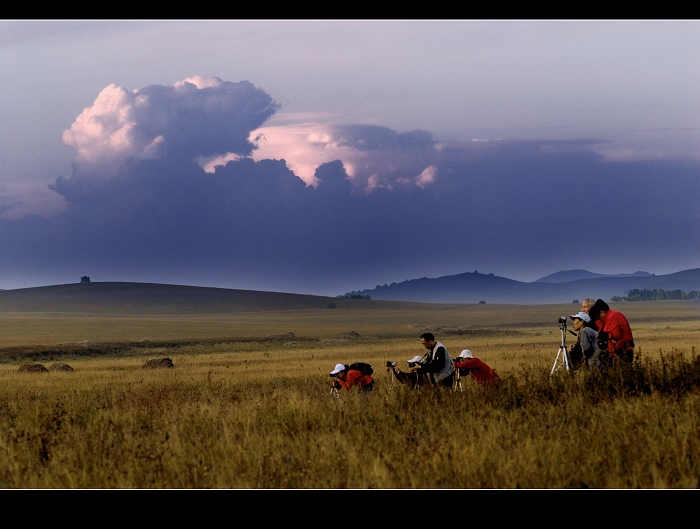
327, 156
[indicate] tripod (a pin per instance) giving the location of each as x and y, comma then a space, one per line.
562, 358
458, 381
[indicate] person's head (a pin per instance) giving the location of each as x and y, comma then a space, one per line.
599, 310
416, 360
427, 339
339, 371
413, 362
580, 320
586, 305
465, 354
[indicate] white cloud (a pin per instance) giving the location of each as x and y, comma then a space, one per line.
196, 118
426, 177
213, 122
105, 133
209, 163
199, 82
306, 146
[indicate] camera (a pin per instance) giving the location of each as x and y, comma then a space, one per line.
602, 340
389, 363
562, 319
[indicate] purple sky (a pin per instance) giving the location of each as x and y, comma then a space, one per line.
327, 156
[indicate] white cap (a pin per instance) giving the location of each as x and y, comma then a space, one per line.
465, 354
581, 316
415, 360
338, 369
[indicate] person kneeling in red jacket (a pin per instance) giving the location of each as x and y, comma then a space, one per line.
477, 369
344, 377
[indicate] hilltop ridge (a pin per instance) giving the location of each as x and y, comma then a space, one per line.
574, 275
153, 298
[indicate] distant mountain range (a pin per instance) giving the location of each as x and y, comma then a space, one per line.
561, 287
574, 275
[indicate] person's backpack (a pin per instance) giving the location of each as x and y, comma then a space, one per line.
362, 367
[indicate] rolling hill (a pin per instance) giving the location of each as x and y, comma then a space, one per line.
574, 275
151, 298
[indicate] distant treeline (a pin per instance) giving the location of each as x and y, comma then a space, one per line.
658, 293
355, 296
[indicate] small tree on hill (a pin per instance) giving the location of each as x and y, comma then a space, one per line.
85, 279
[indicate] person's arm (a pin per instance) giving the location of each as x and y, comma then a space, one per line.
587, 337
405, 378
343, 382
470, 363
613, 328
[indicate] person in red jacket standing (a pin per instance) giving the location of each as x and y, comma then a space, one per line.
475, 368
614, 329
344, 377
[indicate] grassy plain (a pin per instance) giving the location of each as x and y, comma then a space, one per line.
248, 403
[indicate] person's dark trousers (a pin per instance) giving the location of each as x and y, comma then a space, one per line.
449, 381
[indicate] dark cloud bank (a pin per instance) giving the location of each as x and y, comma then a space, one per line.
514, 208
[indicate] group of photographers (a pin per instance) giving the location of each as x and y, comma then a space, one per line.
604, 338
436, 367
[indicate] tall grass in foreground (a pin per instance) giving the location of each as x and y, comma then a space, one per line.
629, 428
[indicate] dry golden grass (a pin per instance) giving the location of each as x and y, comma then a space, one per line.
247, 407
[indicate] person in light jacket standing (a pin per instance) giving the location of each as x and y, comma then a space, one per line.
438, 363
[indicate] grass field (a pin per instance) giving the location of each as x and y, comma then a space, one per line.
248, 403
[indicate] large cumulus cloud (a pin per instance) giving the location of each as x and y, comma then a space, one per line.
196, 117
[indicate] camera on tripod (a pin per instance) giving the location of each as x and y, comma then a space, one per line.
562, 358
389, 363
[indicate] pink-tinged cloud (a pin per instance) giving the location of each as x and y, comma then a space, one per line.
107, 133
373, 157
304, 147
426, 177
195, 119
213, 122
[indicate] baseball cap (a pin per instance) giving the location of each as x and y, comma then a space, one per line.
581, 316
338, 369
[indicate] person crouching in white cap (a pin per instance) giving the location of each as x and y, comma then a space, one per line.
475, 368
346, 377
415, 379
587, 341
